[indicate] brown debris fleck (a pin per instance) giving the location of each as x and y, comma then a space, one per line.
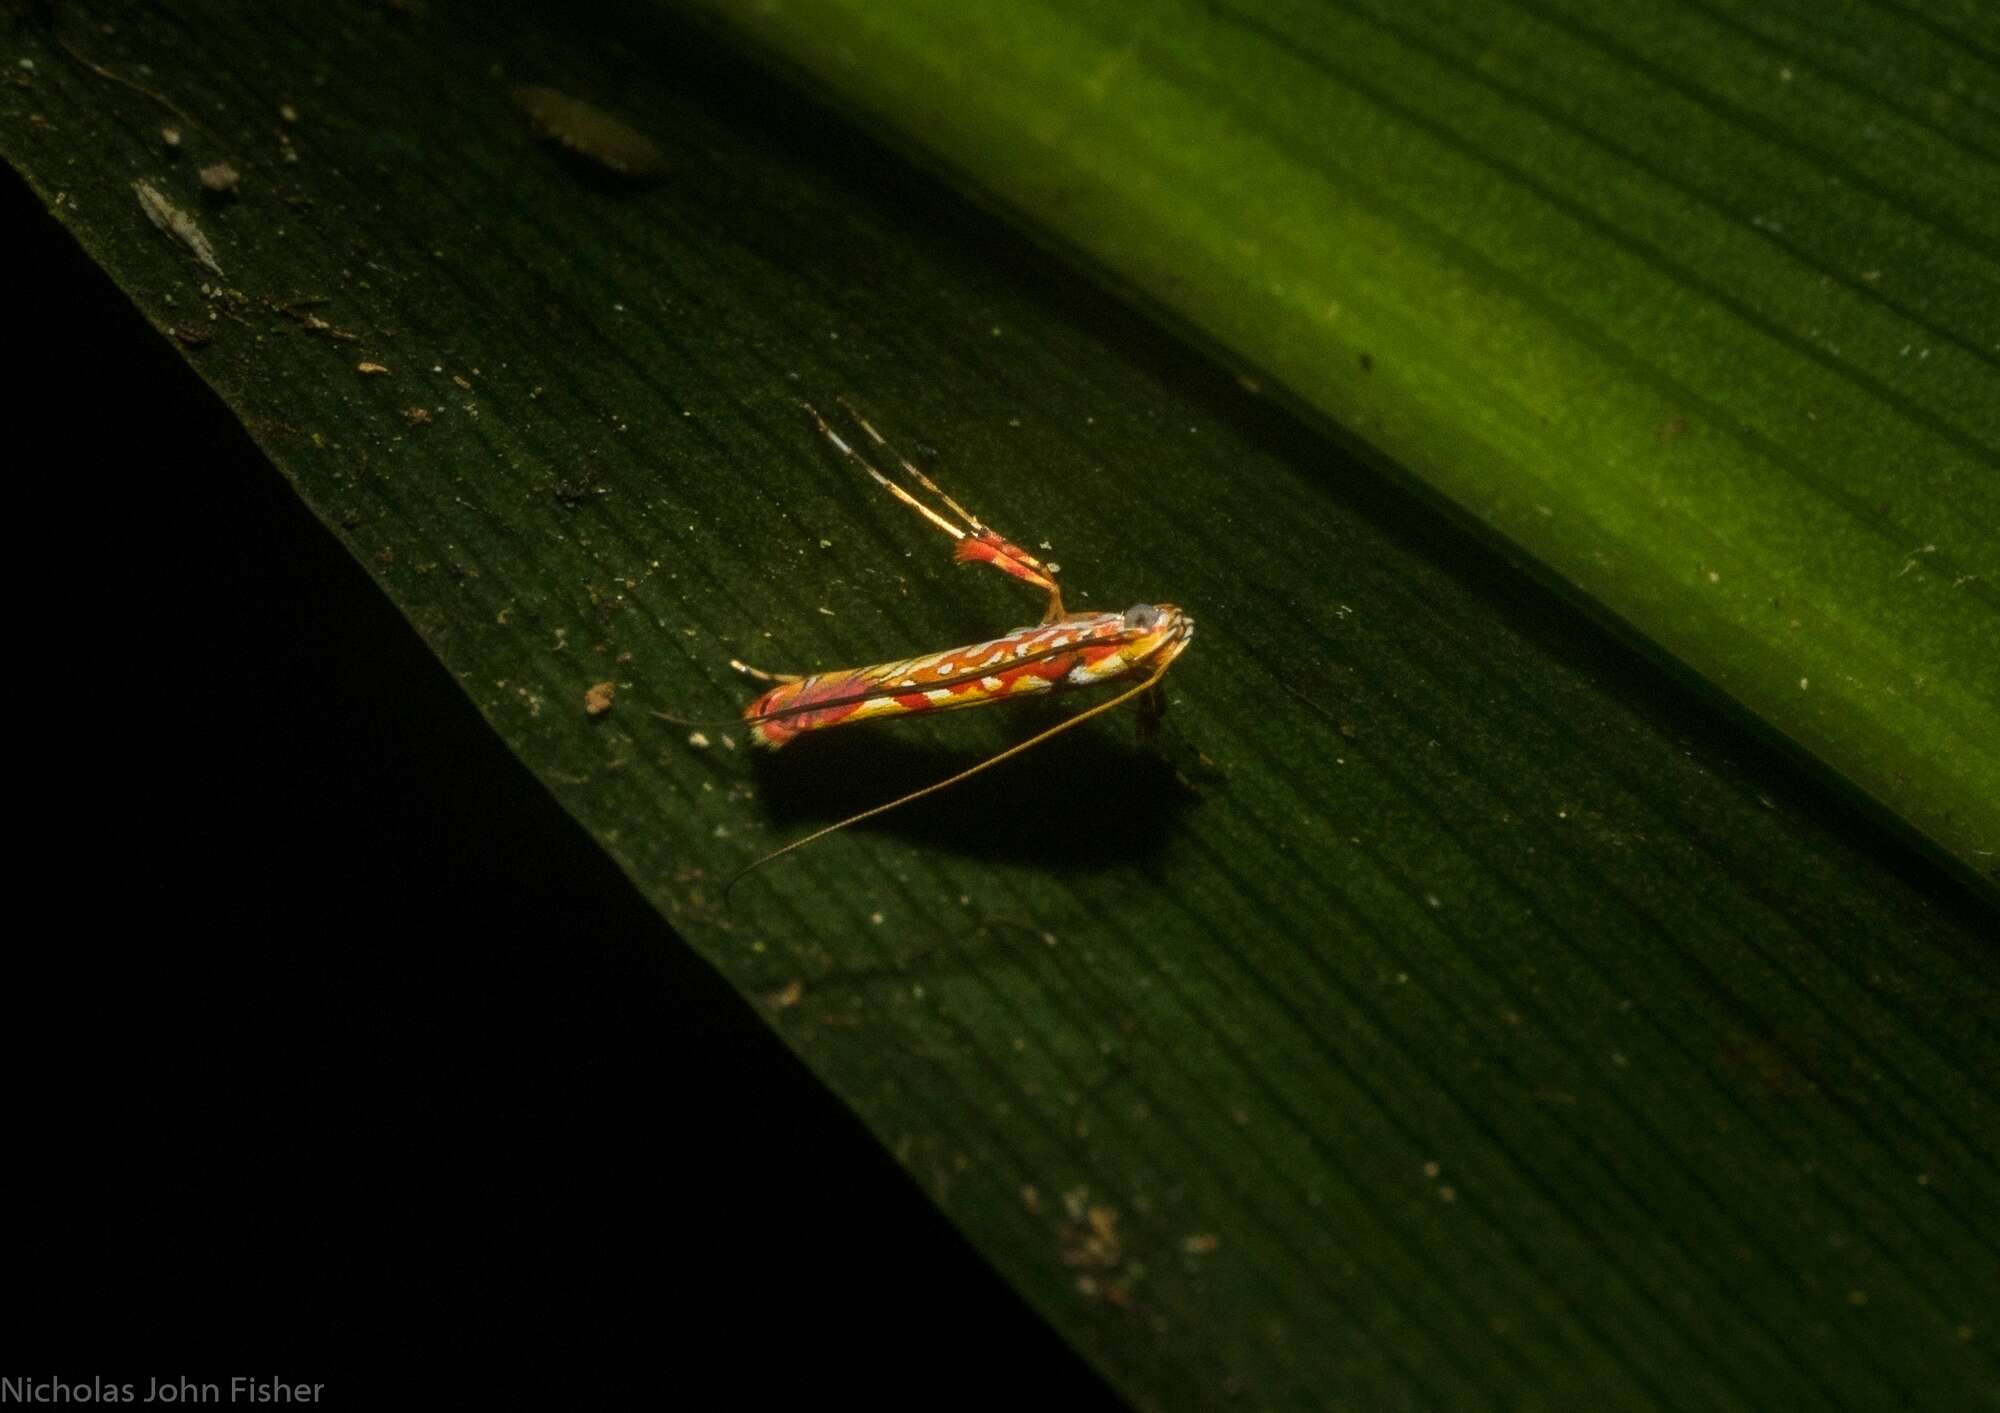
786, 996
297, 310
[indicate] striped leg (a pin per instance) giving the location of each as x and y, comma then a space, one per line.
976, 542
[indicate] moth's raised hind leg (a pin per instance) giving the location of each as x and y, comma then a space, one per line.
840, 444
983, 544
977, 543
971, 520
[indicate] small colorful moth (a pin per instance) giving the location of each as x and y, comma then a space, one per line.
1064, 652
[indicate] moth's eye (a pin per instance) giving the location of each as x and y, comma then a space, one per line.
1141, 618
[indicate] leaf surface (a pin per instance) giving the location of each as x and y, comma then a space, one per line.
1456, 1011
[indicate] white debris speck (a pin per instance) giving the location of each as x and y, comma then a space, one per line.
697, 740
876, 917
176, 223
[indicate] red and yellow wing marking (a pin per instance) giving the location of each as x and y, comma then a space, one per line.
1081, 650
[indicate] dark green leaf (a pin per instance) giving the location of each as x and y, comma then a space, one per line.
1459, 1013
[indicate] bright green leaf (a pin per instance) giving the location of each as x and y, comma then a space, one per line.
1698, 303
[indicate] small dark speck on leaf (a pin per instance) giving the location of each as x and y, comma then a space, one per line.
591, 133
576, 492
1367, 362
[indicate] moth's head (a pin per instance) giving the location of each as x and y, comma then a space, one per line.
1150, 629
